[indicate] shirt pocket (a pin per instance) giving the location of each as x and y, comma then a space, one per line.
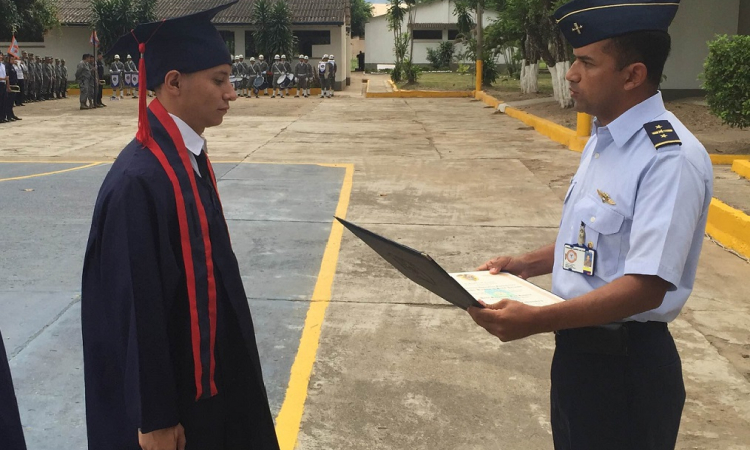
603, 232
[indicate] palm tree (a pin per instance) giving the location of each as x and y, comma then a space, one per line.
280, 36
261, 18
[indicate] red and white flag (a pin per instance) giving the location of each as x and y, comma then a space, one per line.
94, 39
13, 49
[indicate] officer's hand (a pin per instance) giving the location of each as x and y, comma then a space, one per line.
165, 439
507, 319
505, 264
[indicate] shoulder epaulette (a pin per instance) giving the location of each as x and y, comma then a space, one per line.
662, 133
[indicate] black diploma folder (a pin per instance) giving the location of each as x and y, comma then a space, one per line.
417, 266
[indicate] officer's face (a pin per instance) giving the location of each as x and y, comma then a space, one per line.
596, 85
205, 96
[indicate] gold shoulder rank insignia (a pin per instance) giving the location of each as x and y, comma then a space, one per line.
605, 197
662, 133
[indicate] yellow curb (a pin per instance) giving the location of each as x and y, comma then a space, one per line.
420, 94
727, 159
393, 85
552, 130
487, 99
741, 167
729, 226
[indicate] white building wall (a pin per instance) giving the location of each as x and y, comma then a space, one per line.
379, 40
697, 22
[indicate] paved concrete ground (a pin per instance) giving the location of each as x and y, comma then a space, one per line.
396, 368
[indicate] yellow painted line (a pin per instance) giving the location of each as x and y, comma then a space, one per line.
290, 416
729, 226
725, 160
53, 162
50, 173
742, 168
393, 85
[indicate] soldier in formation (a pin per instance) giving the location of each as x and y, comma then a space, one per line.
132, 68
117, 70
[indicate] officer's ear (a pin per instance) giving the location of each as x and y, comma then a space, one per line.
636, 75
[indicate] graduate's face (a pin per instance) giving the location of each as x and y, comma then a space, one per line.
204, 97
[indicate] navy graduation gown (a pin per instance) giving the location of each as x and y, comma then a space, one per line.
167, 332
11, 432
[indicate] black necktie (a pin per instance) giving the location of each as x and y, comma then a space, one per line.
202, 161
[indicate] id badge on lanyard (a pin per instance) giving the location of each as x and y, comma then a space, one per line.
577, 258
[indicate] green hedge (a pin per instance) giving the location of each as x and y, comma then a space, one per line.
727, 79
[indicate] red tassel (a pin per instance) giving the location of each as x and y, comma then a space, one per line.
144, 129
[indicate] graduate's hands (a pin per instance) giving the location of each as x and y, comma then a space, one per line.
165, 439
507, 319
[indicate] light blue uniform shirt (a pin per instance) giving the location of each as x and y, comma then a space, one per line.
657, 223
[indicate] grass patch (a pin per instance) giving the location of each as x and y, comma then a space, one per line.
441, 82
504, 88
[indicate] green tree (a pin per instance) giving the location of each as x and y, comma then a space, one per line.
28, 19
273, 28
361, 14
261, 18
727, 79
114, 18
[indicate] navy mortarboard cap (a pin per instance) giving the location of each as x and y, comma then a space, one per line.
172, 44
584, 22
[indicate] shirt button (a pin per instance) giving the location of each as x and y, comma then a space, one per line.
593, 219
596, 155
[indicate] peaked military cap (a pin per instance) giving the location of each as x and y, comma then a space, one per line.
173, 44
584, 22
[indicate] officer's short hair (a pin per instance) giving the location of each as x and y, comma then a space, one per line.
648, 47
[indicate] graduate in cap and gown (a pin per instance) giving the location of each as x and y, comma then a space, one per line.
11, 431
170, 356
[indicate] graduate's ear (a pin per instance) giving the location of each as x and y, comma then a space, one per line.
171, 84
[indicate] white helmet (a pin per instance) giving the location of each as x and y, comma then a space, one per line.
301, 56
117, 56
234, 58
306, 57
260, 57
330, 56
276, 57
252, 59
325, 56
240, 57
283, 56
129, 57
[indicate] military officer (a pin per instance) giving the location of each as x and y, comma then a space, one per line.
310, 74
266, 73
324, 76
63, 79
117, 68
637, 209
277, 70
236, 74
132, 68
83, 76
300, 73
287, 70
332, 75
244, 70
56, 79
253, 71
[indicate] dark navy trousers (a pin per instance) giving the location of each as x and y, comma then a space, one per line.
617, 387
